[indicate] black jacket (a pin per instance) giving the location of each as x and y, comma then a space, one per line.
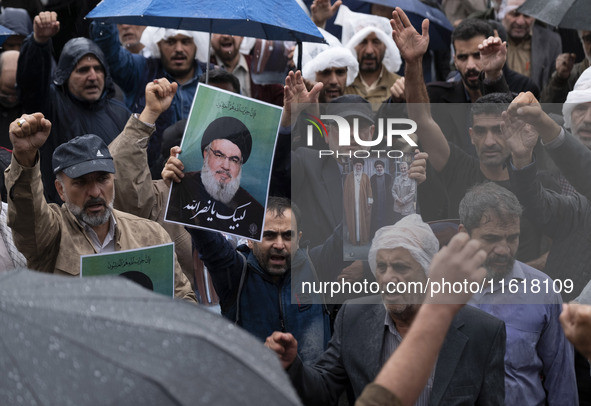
42, 90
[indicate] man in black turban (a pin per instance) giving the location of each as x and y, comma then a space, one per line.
213, 197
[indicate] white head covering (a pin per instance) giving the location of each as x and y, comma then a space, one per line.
504, 8
152, 35
311, 49
357, 26
410, 233
581, 93
337, 57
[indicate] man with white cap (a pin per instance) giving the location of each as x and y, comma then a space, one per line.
334, 67
369, 329
532, 49
53, 237
368, 38
577, 109
174, 56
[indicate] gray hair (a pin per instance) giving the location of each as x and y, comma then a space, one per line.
486, 198
410, 233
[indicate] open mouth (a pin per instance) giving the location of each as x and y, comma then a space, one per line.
277, 259
227, 46
91, 88
95, 208
179, 59
332, 93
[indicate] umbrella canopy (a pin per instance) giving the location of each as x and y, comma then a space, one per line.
439, 28
575, 14
106, 340
268, 19
5, 33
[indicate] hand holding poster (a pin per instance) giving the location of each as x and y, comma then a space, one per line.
227, 152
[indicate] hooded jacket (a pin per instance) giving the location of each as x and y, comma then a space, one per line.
40, 90
17, 20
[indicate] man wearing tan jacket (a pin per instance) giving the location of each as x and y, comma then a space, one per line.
53, 238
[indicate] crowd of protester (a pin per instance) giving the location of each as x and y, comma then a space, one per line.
505, 172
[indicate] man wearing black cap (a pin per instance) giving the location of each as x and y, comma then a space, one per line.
53, 238
212, 197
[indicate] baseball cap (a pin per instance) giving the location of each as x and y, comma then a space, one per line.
81, 155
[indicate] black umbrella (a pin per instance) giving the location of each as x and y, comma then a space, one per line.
575, 14
106, 340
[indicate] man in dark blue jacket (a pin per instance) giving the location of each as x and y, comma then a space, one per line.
174, 57
262, 285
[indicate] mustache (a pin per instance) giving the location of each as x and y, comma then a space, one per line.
494, 148
224, 172
275, 251
499, 259
94, 201
472, 72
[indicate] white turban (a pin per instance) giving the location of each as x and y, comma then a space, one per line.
311, 49
357, 26
410, 233
504, 8
581, 93
337, 57
153, 35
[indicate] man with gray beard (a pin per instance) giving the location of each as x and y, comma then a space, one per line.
368, 330
212, 198
52, 238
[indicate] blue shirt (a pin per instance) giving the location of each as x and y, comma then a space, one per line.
132, 72
538, 359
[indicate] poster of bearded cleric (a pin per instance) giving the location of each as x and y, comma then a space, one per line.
227, 153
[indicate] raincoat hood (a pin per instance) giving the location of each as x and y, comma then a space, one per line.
16, 19
72, 52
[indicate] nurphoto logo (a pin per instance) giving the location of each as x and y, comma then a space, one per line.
388, 128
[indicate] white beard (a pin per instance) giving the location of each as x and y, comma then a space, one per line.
223, 192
